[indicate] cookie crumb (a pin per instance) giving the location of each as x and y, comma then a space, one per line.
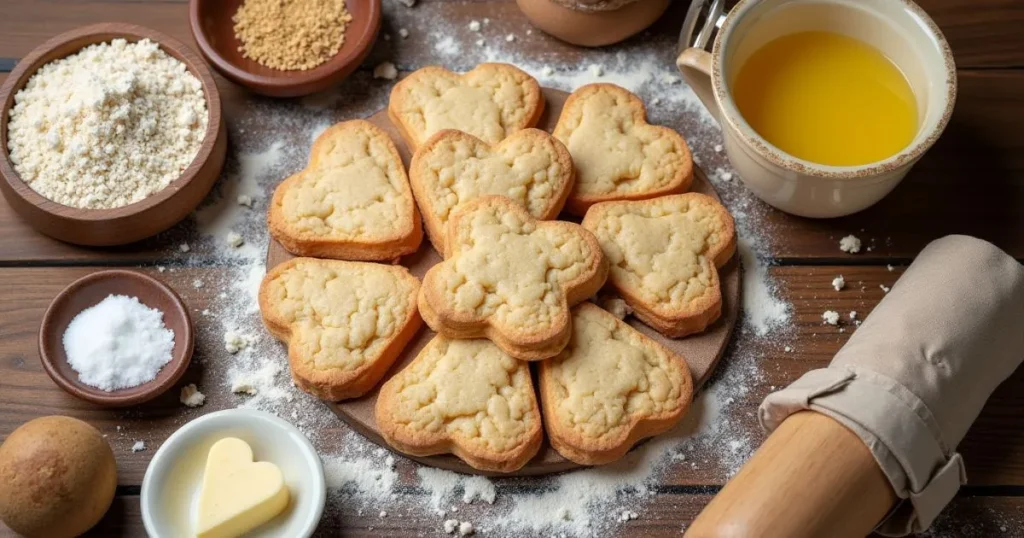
234, 342
386, 71
615, 306
830, 317
139, 446
234, 239
839, 282
191, 397
850, 244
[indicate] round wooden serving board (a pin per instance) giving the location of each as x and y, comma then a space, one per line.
701, 351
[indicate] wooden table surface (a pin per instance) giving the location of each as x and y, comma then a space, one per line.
971, 182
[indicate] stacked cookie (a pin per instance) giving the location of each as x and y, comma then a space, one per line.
513, 283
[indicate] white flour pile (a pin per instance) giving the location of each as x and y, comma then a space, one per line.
713, 440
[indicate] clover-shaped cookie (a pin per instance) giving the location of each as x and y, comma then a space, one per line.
618, 155
511, 278
344, 322
664, 255
530, 167
352, 201
609, 388
490, 102
465, 397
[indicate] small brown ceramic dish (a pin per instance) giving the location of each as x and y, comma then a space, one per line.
214, 31
87, 292
130, 223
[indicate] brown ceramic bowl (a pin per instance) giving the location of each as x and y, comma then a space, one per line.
130, 223
88, 291
214, 31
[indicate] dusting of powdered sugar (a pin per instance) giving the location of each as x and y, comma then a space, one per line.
270, 140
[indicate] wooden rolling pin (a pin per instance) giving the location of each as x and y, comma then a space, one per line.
813, 477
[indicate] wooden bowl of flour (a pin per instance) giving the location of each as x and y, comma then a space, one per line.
129, 223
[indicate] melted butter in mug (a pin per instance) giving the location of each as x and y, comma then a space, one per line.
827, 98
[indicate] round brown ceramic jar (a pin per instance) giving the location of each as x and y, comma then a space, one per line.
592, 23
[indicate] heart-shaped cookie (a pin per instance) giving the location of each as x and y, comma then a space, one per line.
609, 388
618, 155
465, 397
664, 255
452, 167
345, 322
238, 494
511, 278
490, 102
352, 201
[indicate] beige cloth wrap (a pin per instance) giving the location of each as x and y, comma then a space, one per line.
917, 372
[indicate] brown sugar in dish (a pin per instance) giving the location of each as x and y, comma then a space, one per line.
291, 34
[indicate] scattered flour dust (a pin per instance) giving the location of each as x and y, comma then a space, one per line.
270, 140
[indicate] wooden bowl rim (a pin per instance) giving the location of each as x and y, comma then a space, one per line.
123, 397
340, 62
105, 32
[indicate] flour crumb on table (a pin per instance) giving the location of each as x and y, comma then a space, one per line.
890, 268
407, 3
510, 38
139, 446
184, 247
191, 397
838, 282
830, 317
403, 33
234, 239
234, 342
244, 200
853, 315
386, 71
474, 26
197, 283
884, 288
850, 244
718, 148
450, 525
597, 70
466, 528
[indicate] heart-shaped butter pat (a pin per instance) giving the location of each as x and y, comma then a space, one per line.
238, 494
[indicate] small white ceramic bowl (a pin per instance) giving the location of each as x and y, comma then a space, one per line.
170, 489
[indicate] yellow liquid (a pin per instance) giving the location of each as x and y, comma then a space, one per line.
827, 98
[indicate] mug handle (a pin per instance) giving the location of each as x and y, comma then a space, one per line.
694, 61
695, 65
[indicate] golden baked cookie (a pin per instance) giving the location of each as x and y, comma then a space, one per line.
344, 322
609, 388
453, 167
664, 255
464, 397
618, 155
351, 202
490, 102
511, 278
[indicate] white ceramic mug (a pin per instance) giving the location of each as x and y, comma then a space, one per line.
898, 28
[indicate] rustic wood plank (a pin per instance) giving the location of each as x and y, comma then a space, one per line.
664, 516
982, 33
994, 448
971, 182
